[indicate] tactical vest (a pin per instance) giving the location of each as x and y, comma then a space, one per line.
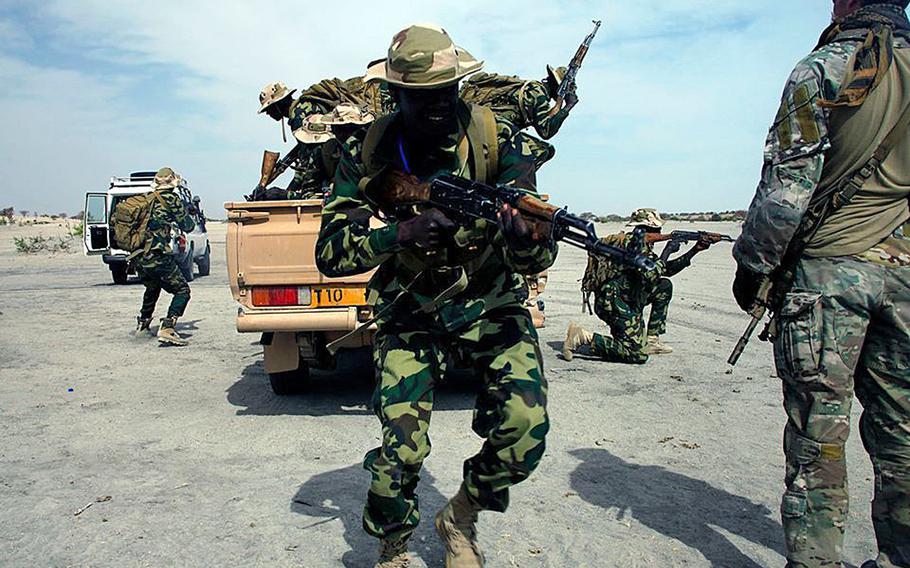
483, 151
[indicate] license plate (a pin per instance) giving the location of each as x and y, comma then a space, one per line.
334, 297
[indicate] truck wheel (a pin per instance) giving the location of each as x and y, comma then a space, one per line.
186, 265
119, 273
290, 382
204, 264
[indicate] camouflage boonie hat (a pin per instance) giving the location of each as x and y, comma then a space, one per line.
556, 74
645, 217
313, 132
346, 113
165, 178
272, 93
423, 56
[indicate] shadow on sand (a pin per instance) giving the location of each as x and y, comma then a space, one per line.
341, 493
677, 506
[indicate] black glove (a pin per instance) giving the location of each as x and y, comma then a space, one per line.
745, 287
430, 229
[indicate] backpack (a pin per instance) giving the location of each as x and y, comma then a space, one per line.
130, 220
599, 271
497, 92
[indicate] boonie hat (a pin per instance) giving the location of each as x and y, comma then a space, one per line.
165, 178
272, 93
646, 217
556, 74
423, 56
313, 132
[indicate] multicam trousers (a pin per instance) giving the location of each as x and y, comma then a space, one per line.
510, 411
160, 271
625, 317
845, 328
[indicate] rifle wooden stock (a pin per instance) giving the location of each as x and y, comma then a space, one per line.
269, 159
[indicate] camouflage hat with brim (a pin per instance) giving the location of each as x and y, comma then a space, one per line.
313, 132
556, 74
423, 56
272, 93
645, 217
346, 113
165, 178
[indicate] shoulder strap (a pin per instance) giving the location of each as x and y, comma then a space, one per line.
522, 112
855, 181
374, 135
484, 141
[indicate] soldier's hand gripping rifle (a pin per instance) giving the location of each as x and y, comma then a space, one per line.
567, 85
272, 167
678, 237
465, 198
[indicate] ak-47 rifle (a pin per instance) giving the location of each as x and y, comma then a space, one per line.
466, 199
272, 167
568, 82
678, 237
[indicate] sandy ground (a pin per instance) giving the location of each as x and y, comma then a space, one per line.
188, 459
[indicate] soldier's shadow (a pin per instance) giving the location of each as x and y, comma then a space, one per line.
348, 389
341, 493
680, 507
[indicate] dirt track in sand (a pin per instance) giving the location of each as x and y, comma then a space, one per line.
675, 463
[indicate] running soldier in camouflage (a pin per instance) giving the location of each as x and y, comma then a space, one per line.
843, 327
526, 104
155, 263
621, 295
440, 286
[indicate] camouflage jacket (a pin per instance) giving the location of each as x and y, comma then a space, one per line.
310, 175
348, 244
793, 158
526, 106
163, 218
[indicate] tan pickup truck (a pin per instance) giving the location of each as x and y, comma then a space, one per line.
282, 295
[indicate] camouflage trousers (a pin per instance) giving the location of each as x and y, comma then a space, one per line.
510, 411
160, 272
845, 329
625, 317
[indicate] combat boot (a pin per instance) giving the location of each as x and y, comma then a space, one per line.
655, 347
393, 553
576, 336
143, 327
455, 526
168, 335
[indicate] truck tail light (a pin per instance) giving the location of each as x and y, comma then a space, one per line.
264, 296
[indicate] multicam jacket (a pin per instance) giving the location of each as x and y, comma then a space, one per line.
793, 159
167, 210
348, 244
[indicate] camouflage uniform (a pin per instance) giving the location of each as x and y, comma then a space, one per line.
484, 318
843, 329
156, 265
526, 105
621, 299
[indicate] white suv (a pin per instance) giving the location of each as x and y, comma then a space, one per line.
189, 248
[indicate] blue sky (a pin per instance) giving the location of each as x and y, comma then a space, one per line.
676, 95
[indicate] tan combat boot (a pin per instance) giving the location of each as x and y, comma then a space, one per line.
167, 335
142, 327
455, 526
576, 336
393, 553
655, 347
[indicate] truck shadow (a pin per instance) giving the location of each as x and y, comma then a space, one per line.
679, 507
345, 390
340, 494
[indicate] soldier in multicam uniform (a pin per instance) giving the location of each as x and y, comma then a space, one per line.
844, 326
621, 295
310, 178
440, 286
526, 104
155, 262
